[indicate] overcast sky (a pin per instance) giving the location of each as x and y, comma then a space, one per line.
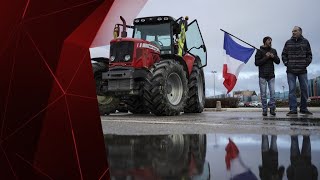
250, 20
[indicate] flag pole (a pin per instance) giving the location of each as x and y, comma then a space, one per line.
240, 40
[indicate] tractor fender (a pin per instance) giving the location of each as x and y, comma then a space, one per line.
189, 61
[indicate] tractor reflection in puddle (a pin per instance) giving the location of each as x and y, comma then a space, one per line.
157, 157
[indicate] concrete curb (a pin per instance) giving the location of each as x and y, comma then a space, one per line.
251, 109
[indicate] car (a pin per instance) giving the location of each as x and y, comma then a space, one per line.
255, 104
241, 104
247, 104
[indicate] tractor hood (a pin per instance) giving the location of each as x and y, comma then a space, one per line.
133, 52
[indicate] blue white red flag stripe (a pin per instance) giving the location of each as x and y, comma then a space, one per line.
237, 168
236, 57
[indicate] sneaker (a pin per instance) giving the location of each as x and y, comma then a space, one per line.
272, 112
305, 112
292, 113
264, 113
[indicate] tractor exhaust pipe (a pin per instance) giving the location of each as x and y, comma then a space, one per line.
124, 27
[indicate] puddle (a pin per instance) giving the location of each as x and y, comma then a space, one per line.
202, 157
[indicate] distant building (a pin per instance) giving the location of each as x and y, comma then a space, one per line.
221, 96
281, 95
244, 93
313, 90
314, 87
246, 96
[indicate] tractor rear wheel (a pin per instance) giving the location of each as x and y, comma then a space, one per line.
196, 101
136, 105
168, 88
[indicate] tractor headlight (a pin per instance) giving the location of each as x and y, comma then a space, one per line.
112, 58
127, 57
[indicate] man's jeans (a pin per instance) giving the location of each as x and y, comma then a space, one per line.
303, 81
263, 92
296, 154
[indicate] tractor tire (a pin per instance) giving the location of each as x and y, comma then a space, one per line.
122, 107
168, 89
98, 69
198, 150
171, 155
196, 96
136, 105
107, 104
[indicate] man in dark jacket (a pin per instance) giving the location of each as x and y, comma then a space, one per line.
265, 57
297, 56
301, 166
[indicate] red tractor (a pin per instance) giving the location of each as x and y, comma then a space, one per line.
157, 157
158, 70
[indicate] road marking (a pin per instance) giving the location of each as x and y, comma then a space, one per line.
233, 123
162, 122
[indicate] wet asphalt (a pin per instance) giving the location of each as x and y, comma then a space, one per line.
230, 120
155, 147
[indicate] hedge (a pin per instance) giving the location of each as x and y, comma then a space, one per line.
229, 102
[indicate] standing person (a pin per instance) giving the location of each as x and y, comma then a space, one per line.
265, 57
297, 56
301, 166
270, 170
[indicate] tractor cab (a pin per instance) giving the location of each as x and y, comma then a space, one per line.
161, 31
169, 35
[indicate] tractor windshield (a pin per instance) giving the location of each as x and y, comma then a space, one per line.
158, 34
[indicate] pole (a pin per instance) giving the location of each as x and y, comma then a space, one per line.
283, 92
215, 141
240, 40
214, 83
316, 88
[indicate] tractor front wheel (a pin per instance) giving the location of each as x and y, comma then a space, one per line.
136, 105
168, 88
107, 103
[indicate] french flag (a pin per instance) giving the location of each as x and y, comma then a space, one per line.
238, 170
236, 57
